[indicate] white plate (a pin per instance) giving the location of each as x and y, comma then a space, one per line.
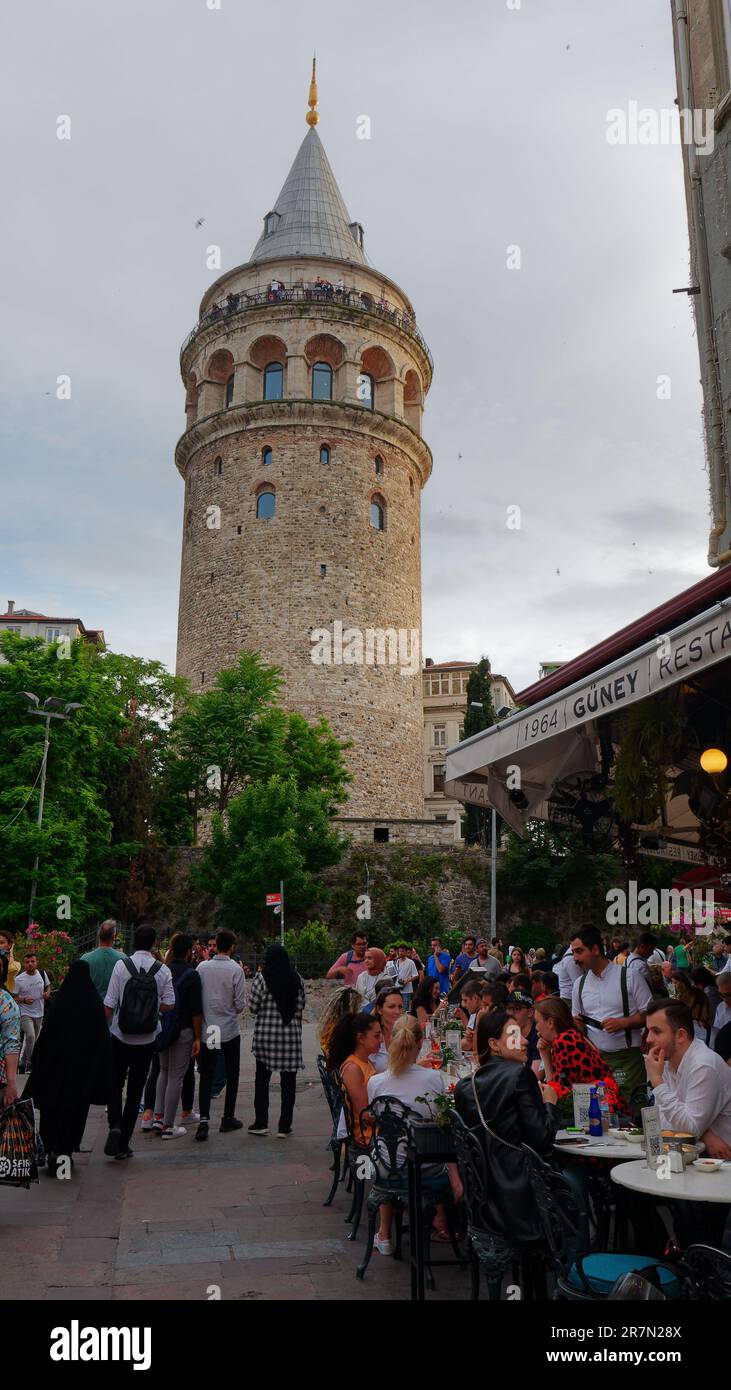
704, 1165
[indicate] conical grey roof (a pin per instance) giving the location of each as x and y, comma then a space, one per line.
312, 219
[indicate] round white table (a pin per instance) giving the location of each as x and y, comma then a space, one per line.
690, 1186
618, 1150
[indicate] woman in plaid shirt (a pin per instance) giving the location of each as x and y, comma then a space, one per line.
277, 1001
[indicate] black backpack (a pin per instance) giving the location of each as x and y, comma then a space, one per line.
140, 1007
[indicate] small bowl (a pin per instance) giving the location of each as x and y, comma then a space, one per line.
707, 1165
633, 1136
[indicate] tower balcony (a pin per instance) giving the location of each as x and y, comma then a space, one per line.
320, 294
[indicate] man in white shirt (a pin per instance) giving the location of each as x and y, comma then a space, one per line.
691, 1084
224, 998
608, 1002
133, 1049
645, 953
567, 971
32, 988
405, 972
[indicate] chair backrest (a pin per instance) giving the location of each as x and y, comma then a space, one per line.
710, 1270
347, 1105
331, 1089
473, 1171
386, 1120
558, 1209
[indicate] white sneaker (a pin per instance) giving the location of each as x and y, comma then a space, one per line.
174, 1133
384, 1247
147, 1125
193, 1116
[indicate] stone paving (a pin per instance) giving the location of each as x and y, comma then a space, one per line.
183, 1220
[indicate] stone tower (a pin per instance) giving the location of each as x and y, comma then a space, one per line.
303, 464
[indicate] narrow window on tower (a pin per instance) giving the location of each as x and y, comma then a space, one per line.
323, 571
322, 382
411, 486
273, 382
378, 514
266, 505
218, 466
230, 390
266, 456
366, 390
324, 454
380, 834
379, 464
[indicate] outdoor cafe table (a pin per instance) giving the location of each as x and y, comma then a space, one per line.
689, 1186
618, 1150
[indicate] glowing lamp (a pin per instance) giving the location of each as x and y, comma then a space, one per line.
714, 760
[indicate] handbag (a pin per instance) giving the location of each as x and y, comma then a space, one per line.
18, 1145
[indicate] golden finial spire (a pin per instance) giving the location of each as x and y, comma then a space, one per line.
312, 116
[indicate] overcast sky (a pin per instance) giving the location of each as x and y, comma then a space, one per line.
488, 131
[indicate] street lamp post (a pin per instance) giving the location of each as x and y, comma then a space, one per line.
479, 704
52, 708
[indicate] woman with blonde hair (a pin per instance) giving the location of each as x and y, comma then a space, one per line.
413, 1085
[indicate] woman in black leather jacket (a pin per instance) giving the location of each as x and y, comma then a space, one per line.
517, 1110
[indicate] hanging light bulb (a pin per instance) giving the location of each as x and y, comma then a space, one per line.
714, 760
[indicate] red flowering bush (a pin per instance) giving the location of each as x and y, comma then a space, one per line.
54, 950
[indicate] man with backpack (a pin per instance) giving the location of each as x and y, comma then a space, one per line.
351, 963
140, 989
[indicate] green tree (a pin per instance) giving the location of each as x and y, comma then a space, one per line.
482, 716
551, 874
274, 830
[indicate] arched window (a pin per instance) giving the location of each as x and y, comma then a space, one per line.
379, 464
366, 390
324, 454
266, 456
378, 514
218, 466
230, 390
273, 382
322, 382
266, 504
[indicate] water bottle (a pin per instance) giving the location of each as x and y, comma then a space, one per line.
603, 1107
595, 1115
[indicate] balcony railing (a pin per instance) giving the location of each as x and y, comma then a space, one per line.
324, 293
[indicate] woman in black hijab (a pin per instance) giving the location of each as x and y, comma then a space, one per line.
72, 1064
277, 1001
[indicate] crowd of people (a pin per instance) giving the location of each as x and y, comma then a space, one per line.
320, 288
638, 1023
123, 1027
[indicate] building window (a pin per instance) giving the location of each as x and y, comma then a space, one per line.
189, 517
378, 514
411, 486
12, 629
266, 456
379, 464
271, 222
324, 454
440, 735
230, 390
266, 504
439, 773
442, 819
53, 634
203, 677
218, 466
273, 382
380, 834
322, 382
323, 571
366, 390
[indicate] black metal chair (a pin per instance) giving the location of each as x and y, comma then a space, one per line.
710, 1272
338, 1147
356, 1157
590, 1276
487, 1250
386, 1122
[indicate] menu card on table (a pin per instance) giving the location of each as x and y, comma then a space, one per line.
653, 1134
582, 1101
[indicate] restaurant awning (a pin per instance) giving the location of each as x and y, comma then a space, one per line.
514, 765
